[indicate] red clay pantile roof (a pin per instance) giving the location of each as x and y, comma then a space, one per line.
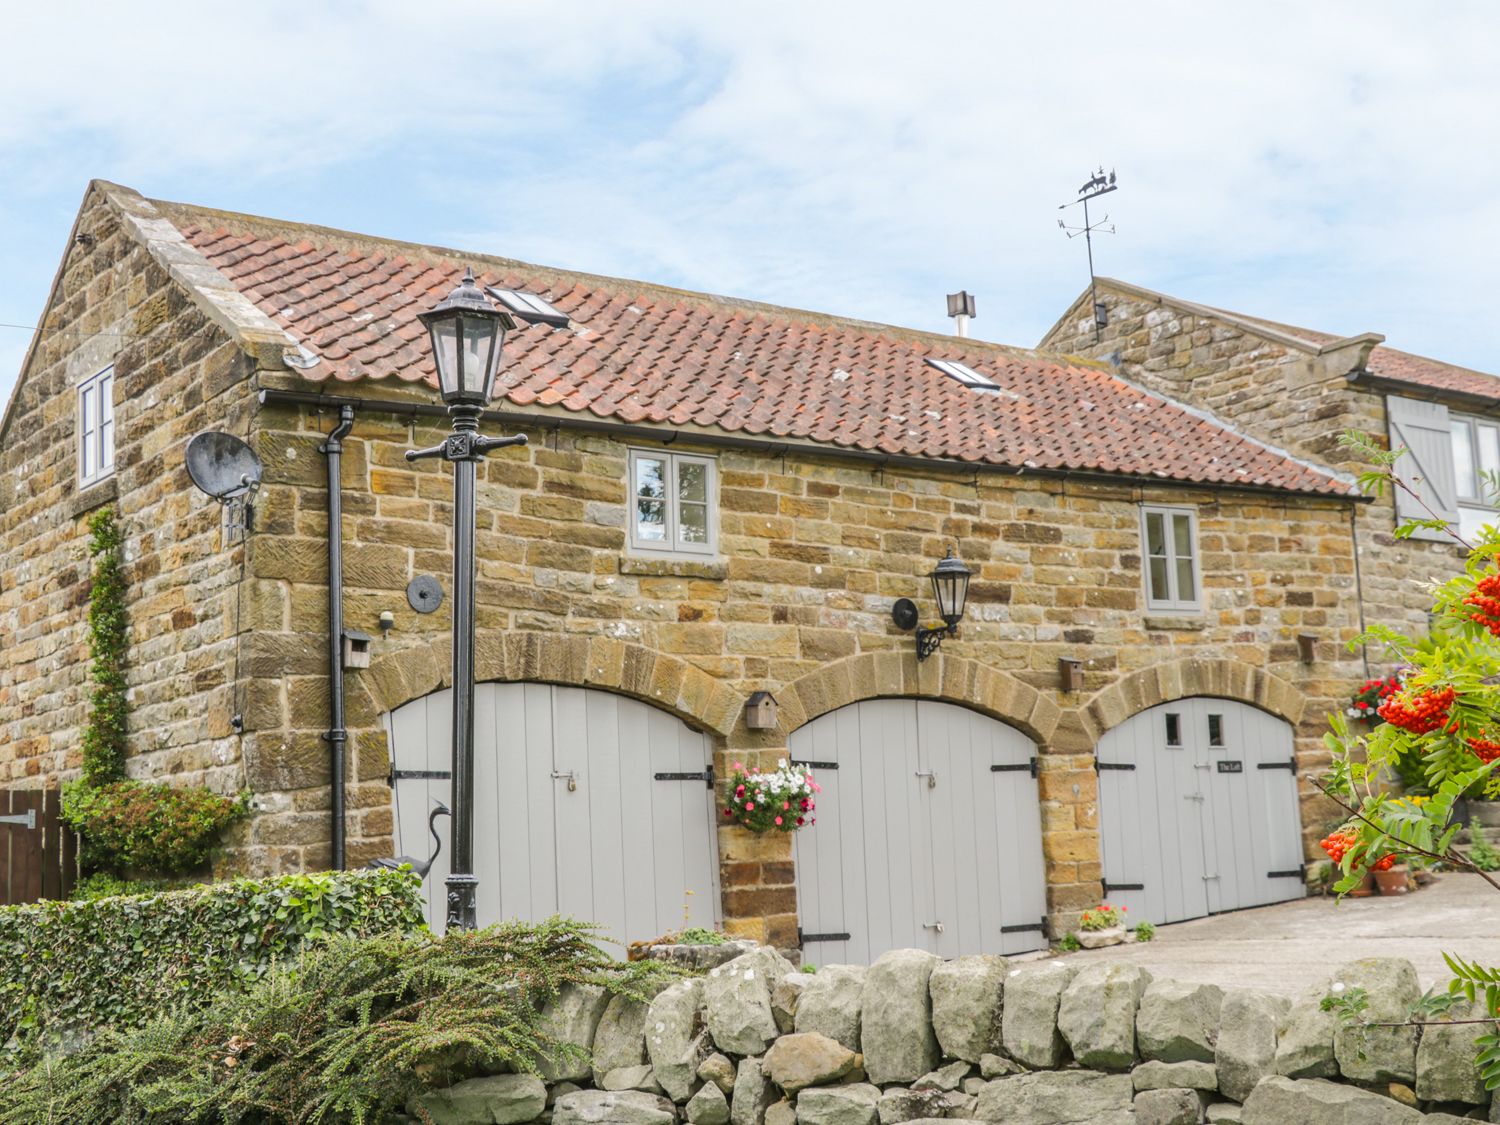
645, 354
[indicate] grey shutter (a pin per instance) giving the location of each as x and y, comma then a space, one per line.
1427, 466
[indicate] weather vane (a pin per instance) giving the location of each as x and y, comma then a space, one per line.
1098, 185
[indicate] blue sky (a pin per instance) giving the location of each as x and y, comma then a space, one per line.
1331, 165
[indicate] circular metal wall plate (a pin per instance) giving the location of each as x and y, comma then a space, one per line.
221, 464
424, 593
904, 613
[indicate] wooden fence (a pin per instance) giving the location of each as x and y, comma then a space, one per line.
38, 853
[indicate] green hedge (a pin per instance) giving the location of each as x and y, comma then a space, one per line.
72, 966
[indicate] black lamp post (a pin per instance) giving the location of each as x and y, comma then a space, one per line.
467, 334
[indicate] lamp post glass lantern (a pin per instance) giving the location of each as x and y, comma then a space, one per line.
467, 334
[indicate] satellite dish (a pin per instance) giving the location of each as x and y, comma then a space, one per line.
222, 465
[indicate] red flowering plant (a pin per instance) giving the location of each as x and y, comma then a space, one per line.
1371, 694
1103, 917
1444, 722
780, 800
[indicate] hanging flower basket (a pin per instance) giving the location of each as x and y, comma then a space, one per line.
779, 801
1371, 696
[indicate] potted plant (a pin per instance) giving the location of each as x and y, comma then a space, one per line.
1101, 926
782, 800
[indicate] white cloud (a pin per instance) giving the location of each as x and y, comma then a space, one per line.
1320, 164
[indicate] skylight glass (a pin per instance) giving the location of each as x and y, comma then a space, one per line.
529, 307
964, 374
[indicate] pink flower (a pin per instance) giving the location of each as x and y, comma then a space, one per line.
739, 790
728, 812
739, 765
749, 805
786, 804
778, 820
799, 821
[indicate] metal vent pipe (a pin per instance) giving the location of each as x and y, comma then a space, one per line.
338, 735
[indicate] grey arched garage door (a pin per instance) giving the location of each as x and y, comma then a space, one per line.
1198, 810
929, 834
570, 815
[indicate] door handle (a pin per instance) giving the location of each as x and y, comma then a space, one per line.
1193, 797
938, 926
931, 776
570, 775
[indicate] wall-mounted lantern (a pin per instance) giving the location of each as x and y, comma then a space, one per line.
1070, 671
950, 588
760, 711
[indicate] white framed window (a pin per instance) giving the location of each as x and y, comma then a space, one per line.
674, 503
1476, 460
1169, 541
96, 427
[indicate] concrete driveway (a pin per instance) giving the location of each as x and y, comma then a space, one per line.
1285, 948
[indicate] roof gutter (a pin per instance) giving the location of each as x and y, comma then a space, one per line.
273, 397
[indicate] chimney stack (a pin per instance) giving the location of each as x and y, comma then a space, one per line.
961, 308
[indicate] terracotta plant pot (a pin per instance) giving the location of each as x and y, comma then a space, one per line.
1365, 889
1098, 939
1396, 881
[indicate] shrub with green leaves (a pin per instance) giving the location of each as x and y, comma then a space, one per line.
104, 735
349, 1033
117, 962
1482, 853
147, 826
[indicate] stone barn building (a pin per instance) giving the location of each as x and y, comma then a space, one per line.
719, 498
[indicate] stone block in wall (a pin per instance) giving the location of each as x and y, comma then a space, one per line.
753, 1094
1178, 1022
1096, 1014
570, 1020
708, 1106
1278, 1100
1192, 1075
676, 1041
838, 1105
1028, 1020
830, 1004
1445, 1059
1058, 1097
896, 1034
966, 1004
620, 1038
1379, 1054
785, 995
500, 1099
805, 1059
737, 996
600, 1107
1246, 1050
1169, 1107
1304, 1043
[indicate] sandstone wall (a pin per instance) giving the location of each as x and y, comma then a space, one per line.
814, 551
1279, 394
175, 374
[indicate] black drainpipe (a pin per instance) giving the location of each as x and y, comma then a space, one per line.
337, 736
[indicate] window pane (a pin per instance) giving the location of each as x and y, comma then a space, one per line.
107, 445
1216, 730
1174, 729
1182, 537
1159, 591
1472, 520
1463, 457
692, 481
86, 411
107, 398
651, 519
650, 478
1489, 461
1186, 591
1156, 536
692, 523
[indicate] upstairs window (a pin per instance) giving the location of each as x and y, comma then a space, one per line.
674, 503
1476, 461
1170, 540
96, 427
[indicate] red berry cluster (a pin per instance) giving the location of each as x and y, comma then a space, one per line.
1338, 844
1418, 714
1486, 602
1486, 750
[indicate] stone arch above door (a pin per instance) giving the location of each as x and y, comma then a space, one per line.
943, 677
1165, 683
627, 669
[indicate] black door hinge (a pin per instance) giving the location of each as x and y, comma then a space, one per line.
417, 775
706, 776
1300, 873
1029, 927
1098, 765
805, 939
1108, 886
815, 765
1289, 764
1032, 767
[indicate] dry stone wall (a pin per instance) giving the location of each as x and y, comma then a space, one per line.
979, 1039
1280, 394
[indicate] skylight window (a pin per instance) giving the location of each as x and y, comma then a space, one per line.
964, 374
528, 307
